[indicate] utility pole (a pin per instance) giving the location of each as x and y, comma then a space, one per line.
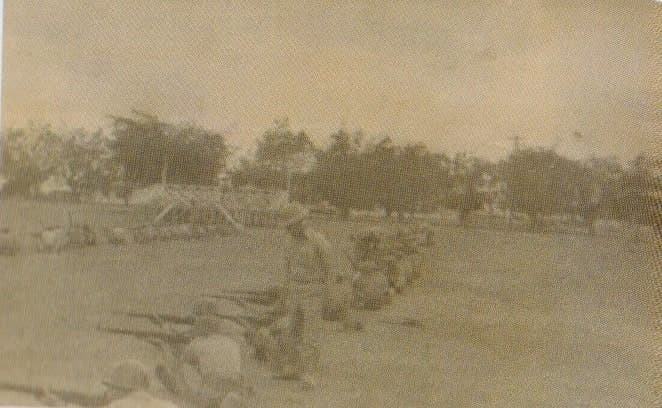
517, 140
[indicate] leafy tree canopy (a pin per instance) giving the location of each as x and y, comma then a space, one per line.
281, 148
151, 150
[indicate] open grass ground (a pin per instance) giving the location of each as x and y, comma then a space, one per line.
510, 319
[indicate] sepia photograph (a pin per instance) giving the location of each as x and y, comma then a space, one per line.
321, 204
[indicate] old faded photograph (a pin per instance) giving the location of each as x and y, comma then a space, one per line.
293, 203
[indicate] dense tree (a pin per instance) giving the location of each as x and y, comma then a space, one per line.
384, 178
426, 177
279, 145
29, 157
283, 152
540, 182
596, 193
86, 163
606, 189
82, 160
338, 175
354, 174
151, 150
405, 179
636, 201
468, 174
281, 158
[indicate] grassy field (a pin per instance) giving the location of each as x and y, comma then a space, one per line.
511, 319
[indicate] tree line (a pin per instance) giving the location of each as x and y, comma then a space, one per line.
350, 172
140, 150
353, 172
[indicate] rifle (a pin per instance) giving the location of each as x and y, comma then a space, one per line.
272, 291
236, 300
243, 299
68, 396
251, 320
150, 336
242, 320
158, 318
407, 321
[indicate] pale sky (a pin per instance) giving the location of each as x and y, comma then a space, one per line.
456, 75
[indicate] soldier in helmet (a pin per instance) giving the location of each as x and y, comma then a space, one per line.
315, 286
208, 370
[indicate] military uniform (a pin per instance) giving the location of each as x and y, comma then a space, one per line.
306, 273
209, 368
370, 286
218, 360
313, 288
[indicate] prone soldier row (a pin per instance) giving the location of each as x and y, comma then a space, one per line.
202, 364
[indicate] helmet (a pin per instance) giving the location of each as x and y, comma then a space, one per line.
204, 307
129, 375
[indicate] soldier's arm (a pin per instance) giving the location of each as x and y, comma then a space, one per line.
172, 337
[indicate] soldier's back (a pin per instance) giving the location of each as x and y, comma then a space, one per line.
218, 357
